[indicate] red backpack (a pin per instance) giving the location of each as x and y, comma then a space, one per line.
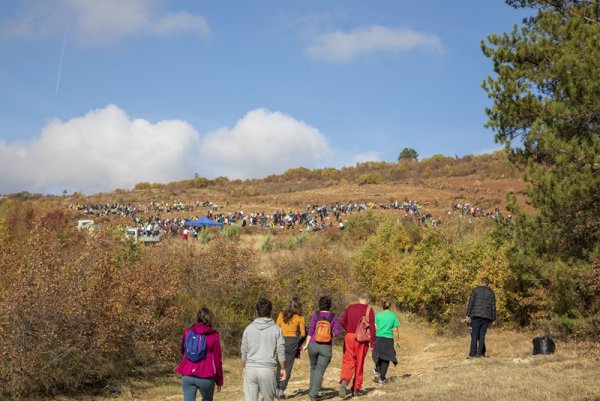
363, 330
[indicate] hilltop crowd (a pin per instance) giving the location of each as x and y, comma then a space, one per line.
470, 211
147, 218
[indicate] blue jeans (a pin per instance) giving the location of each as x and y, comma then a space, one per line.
191, 384
479, 328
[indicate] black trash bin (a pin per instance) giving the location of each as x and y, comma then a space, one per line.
543, 346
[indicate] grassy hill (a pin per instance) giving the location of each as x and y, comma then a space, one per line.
80, 295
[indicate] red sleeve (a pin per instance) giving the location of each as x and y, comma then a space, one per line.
217, 356
372, 326
345, 320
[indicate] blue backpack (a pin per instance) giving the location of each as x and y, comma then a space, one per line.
195, 346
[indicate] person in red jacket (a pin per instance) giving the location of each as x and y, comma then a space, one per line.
205, 374
353, 360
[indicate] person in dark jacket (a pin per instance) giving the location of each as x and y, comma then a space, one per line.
480, 313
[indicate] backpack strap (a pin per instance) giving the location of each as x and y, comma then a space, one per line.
368, 312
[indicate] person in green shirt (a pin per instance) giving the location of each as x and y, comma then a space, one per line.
386, 333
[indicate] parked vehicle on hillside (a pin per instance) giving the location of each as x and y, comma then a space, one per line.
87, 224
136, 235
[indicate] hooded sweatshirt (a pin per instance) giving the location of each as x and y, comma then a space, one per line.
208, 368
263, 345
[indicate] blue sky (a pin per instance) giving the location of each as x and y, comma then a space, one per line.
98, 95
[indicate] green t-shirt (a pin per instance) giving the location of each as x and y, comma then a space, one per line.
386, 321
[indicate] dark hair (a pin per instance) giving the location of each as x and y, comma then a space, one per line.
264, 307
205, 317
325, 303
386, 303
293, 307
485, 281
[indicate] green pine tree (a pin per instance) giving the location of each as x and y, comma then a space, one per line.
546, 112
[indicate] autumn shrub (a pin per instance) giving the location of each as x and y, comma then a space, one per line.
205, 236
378, 264
267, 244
369, 178
311, 273
77, 312
223, 277
231, 233
433, 276
141, 186
294, 241
359, 226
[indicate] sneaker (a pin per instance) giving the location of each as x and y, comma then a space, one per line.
342, 392
375, 375
382, 382
357, 393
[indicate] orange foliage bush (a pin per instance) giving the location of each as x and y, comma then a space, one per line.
309, 274
72, 314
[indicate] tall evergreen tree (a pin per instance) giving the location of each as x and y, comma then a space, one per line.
546, 112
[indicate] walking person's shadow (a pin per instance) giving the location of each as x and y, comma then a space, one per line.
327, 393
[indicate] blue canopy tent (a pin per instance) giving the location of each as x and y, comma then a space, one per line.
203, 221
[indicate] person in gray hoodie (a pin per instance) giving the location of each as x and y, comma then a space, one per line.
263, 351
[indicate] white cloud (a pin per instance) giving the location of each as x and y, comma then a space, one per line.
103, 150
263, 143
370, 156
341, 46
106, 149
99, 22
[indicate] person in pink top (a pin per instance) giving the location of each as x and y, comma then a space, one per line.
207, 373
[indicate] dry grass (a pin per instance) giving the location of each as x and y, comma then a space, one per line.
438, 371
436, 195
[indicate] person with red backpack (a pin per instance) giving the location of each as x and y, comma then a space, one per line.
358, 321
201, 367
324, 325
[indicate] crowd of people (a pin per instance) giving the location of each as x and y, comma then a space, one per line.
470, 211
313, 217
270, 347
147, 218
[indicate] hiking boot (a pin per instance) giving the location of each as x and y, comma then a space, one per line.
342, 392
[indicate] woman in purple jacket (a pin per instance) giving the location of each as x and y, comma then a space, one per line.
320, 353
205, 374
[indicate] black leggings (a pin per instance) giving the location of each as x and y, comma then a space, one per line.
382, 368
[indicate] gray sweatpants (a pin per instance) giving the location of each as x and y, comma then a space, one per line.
259, 380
